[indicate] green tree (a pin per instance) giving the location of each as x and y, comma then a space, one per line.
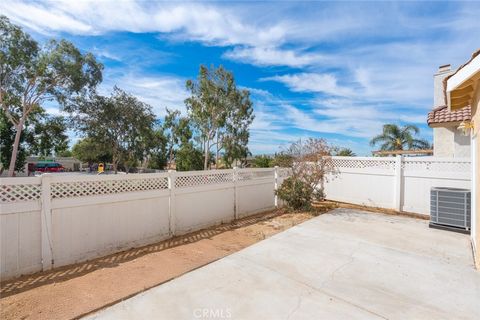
343, 152
157, 149
91, 151
262, 161
283, 159
31, 75
394, 137
177, 132
49, 136
189, 158
43, 135
120, 123
220, 112
7, 137
65, 153
234, 137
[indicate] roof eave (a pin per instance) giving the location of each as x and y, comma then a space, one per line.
444, 124
465, 81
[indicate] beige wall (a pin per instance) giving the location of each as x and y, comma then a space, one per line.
461, 144
438, 95
449, 142
476, 163
443, 142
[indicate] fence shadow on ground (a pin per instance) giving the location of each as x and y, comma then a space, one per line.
24, 283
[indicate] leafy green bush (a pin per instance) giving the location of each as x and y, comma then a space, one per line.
296, 193
262, 161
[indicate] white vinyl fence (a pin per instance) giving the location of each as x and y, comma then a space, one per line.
400, 183
60, 219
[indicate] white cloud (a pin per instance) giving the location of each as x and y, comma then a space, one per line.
103, 53
185, 21
359, 66
336, 125
351, 109
41, 19
340, 116
275, 117
312, 82
272, 56
158, 91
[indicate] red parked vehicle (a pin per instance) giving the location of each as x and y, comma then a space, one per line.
49, 167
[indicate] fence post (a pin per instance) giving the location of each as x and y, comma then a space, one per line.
276, 186
46, 218
171, 202
235, 178
398, 192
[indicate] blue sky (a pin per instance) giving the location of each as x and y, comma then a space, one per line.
337, 70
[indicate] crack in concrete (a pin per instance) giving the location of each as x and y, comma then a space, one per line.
299, 303
351, 259
320, 290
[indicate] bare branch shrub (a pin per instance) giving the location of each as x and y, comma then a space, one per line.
311, 162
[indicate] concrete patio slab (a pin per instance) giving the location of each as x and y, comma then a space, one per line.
347, 264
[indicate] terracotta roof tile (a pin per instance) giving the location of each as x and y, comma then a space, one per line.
442, 115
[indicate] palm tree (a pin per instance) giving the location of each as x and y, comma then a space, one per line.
344, 152
394, 137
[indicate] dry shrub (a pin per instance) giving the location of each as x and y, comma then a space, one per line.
311, 162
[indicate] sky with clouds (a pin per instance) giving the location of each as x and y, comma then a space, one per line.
337, 70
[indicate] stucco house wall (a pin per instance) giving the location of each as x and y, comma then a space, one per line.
461, 145
449, 142
443, 142
463, 89
476, 173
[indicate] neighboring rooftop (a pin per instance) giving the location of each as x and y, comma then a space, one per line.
442, 115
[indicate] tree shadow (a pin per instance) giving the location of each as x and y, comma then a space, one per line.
27, 282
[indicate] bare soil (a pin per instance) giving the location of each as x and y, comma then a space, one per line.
76, 290
378, 210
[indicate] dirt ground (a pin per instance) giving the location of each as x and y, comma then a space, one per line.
76, 290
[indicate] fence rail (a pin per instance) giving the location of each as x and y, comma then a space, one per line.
59, 219
399, 183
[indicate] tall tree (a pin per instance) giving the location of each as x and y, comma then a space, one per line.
42, 135
177, 132
189, 158
31, 75
156, 153
394, 137
234, 138
219, 111
262, 161
49, 136
121, 123
7, 137
342, 152
91, 151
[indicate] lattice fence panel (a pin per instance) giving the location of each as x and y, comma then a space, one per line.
254, 175
104, 187
440, 166
284, 172
20, 193
203, 179
364, 164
